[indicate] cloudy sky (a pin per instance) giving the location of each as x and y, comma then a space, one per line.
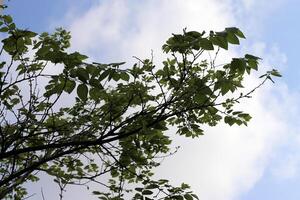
261, 161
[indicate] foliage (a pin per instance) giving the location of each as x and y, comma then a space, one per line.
82, 119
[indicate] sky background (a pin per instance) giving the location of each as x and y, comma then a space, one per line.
261, 161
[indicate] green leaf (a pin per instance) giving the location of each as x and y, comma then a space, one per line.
177, 197
236, 31
49, 93
200, 98
249, 56
95, 83
206, 44
188, 197
229, 120
80, 56
95, 93
245, 116
15, 101
97, 193
240, 34
116, 64
82, 91
30, 33
104, 75
4, 29
124, 76
253, 64
274, 72
7, 18
37, 45
194, 34
114, 75
147, 192
195, 196
139, 189
219, 41
43, 51
231, 38
152, 186
238, 64
70, 85
185, 186
82, 74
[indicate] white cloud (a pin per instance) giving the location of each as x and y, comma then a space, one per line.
287, 168
271, 55
286, 162
253, 15
227, 160
118, 29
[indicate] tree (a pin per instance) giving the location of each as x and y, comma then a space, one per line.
87, 119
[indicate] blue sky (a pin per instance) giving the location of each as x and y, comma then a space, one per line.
282, 28
110, 30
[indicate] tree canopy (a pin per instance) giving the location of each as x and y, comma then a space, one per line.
78, 120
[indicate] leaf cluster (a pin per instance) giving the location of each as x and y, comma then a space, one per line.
89, 119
